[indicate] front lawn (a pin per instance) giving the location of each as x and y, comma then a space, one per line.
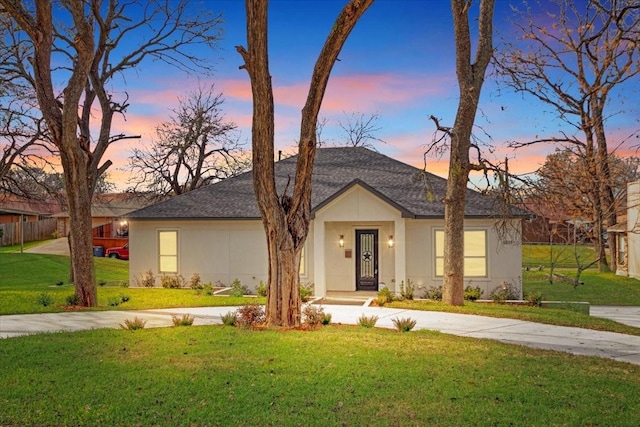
338, 375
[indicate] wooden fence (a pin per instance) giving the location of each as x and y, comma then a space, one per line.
33, 230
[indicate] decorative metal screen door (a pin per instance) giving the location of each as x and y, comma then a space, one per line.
366, 260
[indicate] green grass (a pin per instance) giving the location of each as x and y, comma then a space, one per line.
335, 376
26, 276
563, 256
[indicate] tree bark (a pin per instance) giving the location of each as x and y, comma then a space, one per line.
286, 218
470, 79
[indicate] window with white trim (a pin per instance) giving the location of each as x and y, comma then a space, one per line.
475, 253
168, 251
303, 267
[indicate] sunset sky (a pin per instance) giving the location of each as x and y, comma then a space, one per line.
398, 63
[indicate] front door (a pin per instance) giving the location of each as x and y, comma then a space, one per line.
366, 260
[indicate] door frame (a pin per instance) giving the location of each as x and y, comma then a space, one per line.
358, 258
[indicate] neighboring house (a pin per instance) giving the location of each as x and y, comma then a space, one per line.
23, 220
374, 220
627, 235
108, 218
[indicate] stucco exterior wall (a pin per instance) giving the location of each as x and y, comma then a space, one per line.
633, 229
216, 250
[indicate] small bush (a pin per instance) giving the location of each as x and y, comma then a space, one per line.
230, 319
114, 301
195, 282
406, 292
73, 300
367, 321
312, 316
404, 325
44, 299
261, 289
472, 293
384, 296
147, 280
185, 320
124, 284
306, 290
326, 319
132, 325
171, 282
102, 283
503, 293
207, 289
534, 299
433, 293
238, 289
124, 297
250, 315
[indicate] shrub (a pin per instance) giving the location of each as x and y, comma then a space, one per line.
367, 321
261, 289
124, 284
433, 293
171, 282
250, 315
404, 325
406, 292
306, 290
503, 293
73, 299
102, 283
472, 293
132, 325
45, 299
534, 299
195, 282
384, 296
146, 279
238, 289
313, 316
207, 289
124, 297
230, 319
185, 320
114, 301
326, 319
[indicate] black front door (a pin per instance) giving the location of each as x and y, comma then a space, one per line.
366, 260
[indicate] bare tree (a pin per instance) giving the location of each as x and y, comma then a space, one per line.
573, 66
286, 218
196, 147
73, 59
470, 76
361, 129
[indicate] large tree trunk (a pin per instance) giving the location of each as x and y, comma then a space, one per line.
470, 78
286, 218
608, 214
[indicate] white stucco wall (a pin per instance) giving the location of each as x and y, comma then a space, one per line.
633, 228
216, 250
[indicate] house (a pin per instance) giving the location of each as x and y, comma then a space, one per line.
23, 220
374, 220
108, 218
626, 257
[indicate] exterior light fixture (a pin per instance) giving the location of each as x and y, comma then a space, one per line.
390, 241
341, 241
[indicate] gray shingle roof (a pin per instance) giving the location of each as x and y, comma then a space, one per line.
414, 193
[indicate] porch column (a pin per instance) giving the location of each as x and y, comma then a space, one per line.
318, 258
400, 252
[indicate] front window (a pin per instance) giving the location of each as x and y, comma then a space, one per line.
475, 253
168, 251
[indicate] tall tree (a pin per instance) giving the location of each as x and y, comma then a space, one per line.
360, 130
286, 218
573, 62
194, 148
470, 73
73, 57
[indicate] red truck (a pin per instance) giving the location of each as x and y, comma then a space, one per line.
121, 252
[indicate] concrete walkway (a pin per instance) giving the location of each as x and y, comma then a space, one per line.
610, 345
59, 246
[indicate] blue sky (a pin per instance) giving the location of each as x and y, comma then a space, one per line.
398, 62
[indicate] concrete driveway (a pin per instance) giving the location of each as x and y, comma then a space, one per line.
58, 246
